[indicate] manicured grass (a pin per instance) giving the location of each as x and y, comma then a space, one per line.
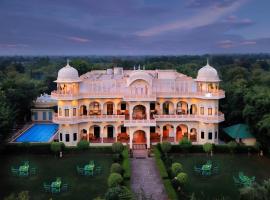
49, 167
222, 184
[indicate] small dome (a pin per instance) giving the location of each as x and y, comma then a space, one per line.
68, 74
207, 74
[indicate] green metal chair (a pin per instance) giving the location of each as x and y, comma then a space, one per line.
64, 188
98, 170
89, 173
55, 190
14, 171
80, 170
23, 174
33, 171
46, 187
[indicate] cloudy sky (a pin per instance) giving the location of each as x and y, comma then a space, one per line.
133, 27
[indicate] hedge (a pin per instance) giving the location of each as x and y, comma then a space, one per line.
44, 148
126, 164
172, 195
160, 165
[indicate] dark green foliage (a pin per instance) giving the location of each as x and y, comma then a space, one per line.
169, 189
116, 168
56, 147
185, 144
118, 193
176, 168
117, 147
207, 147
126, 164
182, 178
24, 195
83, 144
165, 147
256, 192
115, 179
232, 146
160, 165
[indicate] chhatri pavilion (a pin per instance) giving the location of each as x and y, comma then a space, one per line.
137, 106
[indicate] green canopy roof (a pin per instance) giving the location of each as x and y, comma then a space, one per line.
238, 131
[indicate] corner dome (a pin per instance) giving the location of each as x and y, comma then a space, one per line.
207, 74
68, 74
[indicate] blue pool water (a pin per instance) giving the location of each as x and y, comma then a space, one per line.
38, 133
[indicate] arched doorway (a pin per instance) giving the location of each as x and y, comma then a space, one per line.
182, 108
193, 135
181, 131
83, 110
83, 134
167, 108
139, 112
94, 108
109, 108
193, 109
167, 131
139, 137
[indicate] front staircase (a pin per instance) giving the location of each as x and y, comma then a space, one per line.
139, 151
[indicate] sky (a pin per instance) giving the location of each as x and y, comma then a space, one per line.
134, 27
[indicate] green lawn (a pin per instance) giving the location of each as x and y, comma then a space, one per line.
49, 167
222, 184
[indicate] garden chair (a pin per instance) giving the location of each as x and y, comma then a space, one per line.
80, 170
64, 187
14, 171
89, 173
55, 190
33, 171
23, 174
46, 187
236, 181
98, 170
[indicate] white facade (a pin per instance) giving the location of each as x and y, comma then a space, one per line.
137, 106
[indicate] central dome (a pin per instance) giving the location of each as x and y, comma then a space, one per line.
207, 74
68, 74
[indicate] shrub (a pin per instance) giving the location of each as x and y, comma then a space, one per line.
56, 147
176, 168
185, 144
117, 147
126, 164
118, 192
182, 178
232, 146
116, 168
160, 165
169, 189
83, 144
207, 147
165, 147
114, 180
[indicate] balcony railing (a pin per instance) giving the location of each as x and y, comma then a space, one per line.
87, 118
132, 97
140, 122
204, 118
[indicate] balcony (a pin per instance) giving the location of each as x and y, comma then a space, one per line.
201, 95
134, 97
88, 118
140, 122
202, 118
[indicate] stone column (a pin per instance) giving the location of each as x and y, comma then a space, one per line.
148, 138
130, 138
174, 131
102, 133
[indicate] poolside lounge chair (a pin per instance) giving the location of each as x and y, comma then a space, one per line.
46, 187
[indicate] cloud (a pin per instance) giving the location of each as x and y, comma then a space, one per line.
226, 44
208, 16
78, 39
235, 20
13, 45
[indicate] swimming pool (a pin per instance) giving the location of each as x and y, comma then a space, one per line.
38, 133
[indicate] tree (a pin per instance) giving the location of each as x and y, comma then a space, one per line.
56, 147
207, 147
165, 147
83, 144
117, 147
24, 195
114, 180
176, 168
118, 193
232, 146
182, 178
185, 144
116, 168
